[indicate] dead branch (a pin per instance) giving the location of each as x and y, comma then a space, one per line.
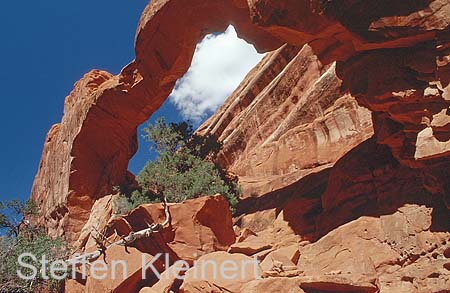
124, 241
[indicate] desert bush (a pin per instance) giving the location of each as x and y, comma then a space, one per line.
184, 167
21, 236
123, 203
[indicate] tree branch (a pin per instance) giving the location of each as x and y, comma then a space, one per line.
125, 241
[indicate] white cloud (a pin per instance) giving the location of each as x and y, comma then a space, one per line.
220, 63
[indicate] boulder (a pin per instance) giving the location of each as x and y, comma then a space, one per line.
221, 272
250, 246
197, 227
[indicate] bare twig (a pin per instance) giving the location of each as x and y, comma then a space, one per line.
124, 241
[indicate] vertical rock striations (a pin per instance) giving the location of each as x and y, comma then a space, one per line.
286, 120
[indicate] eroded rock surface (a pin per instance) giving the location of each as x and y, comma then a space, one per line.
197, 227
401, 251
286, 120
367, 216
81, 161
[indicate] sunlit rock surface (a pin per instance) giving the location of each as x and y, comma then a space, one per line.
361, 214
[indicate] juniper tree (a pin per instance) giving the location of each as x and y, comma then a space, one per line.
184, 167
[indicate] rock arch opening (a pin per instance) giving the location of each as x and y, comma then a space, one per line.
220, 63
90, 149
398, 67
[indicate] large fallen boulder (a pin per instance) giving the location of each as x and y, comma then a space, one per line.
197, 227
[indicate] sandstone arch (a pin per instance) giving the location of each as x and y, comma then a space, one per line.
88, 152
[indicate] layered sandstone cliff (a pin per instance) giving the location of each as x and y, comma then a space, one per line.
286, 120
327, 207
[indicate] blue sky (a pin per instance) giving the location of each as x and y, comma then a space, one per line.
48, 45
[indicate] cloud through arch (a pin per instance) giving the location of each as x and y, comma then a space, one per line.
220, 63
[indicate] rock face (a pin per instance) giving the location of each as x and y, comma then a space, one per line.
326, 207
400, 251
81, 162
287, 119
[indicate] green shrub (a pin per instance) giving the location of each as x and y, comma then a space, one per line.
123, 204
182, 175
22, 237
12, 214
184, 168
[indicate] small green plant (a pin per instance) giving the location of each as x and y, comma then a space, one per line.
21, 236
121, 205
184, 168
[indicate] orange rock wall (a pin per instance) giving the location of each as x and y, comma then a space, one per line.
293, 132
88, 152
288, 119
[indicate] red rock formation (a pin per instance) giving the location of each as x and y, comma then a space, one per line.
64, 179
209, 280
409, 90
90, 154
401, 251
286, 120
377, 220
197, 227
337, 29
81, 162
